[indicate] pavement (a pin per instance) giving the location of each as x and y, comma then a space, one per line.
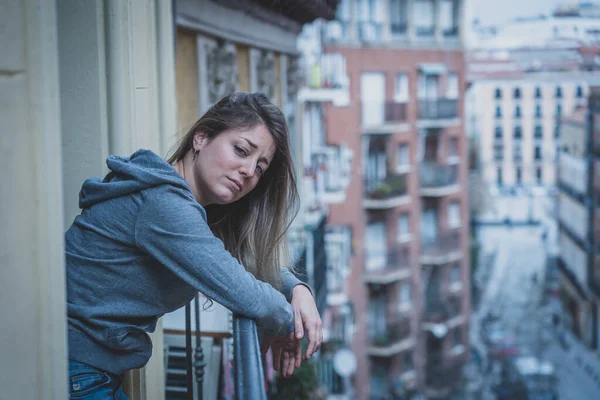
513, 290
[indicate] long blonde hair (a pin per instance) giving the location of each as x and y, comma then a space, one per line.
253, 228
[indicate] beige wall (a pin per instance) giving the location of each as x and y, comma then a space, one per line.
486, 122
186, 78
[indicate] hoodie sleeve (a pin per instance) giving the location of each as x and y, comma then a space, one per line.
289, 282
172, 228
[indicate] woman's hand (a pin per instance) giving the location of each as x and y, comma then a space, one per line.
306, 318
286, 346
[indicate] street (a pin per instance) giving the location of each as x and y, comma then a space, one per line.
513, 296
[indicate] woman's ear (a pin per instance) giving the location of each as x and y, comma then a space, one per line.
200, 140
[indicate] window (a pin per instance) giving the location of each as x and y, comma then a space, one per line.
558, 92
449, 17
454, 215
558, 110
518, 132
453, 148
538, 111
401, 89
537, 152
452, 87
403, 227
498, 152
498, 132
498, 112
517, 93
455, 274
518, 175
424, 17
403, 157
376, 248
538, 93
579, 92
517, 156
404, 298
398, 16
538, 175
518, 112
499, 176
408, 361
538, 134
456, 336
498, 94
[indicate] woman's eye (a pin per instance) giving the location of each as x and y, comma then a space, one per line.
259, 170
240, 150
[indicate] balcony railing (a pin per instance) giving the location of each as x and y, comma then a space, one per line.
442, 374
396, 266
450, 32
329, 73
392, 333
438, 109
438, 309
383, 193
572, 171
335, 31
436, 176
370, 31
379, 113
248, 362
444, 247
332, 168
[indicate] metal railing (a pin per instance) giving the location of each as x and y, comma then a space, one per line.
438, 308
248, 368
393, 332
329, 72
393, 185
438, 108
397, 259
441, 244
375, 113
443, 374
436, 175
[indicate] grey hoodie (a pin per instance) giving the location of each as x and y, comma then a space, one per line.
141, 248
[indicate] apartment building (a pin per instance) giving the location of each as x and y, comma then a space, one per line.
515, 119
579, 221
406, 204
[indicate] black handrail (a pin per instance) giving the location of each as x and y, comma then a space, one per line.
249, 376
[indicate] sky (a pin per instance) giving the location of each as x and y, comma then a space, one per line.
491, 12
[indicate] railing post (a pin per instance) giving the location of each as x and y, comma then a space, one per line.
249, 376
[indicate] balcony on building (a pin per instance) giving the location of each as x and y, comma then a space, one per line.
439, 310
442, 375
388, 265
441, 248
338, 245
389, 336
438, 180
438, 112
370, 32
333, 171
327, 80
386, 192
572, 173
336, 31
384, 117
314, 206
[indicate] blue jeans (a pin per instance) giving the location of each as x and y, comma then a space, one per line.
89, 383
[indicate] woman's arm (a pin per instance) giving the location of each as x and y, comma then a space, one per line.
173, 229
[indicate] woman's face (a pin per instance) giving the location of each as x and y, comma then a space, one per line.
230, 165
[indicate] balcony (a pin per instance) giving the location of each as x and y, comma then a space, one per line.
379, 117
438, 112
396, 266
438, 180
335, 32
439, 310
442, 376
370, 31
388, 192
441, 249
392, 339
327, 81
572, 172
333, 171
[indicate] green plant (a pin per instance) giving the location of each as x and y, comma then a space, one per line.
302, 385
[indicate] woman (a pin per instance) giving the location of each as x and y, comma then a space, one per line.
154, 233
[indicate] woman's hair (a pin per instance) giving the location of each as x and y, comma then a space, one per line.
252, 228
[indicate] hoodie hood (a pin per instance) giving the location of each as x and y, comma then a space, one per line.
142, 170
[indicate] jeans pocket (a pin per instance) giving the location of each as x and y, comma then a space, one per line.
84, 383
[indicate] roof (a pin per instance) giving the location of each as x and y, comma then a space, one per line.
304, 11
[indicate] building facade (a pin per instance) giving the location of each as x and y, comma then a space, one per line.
515, 120
579, 221
406, 204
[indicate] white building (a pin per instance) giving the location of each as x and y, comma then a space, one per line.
514, 120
